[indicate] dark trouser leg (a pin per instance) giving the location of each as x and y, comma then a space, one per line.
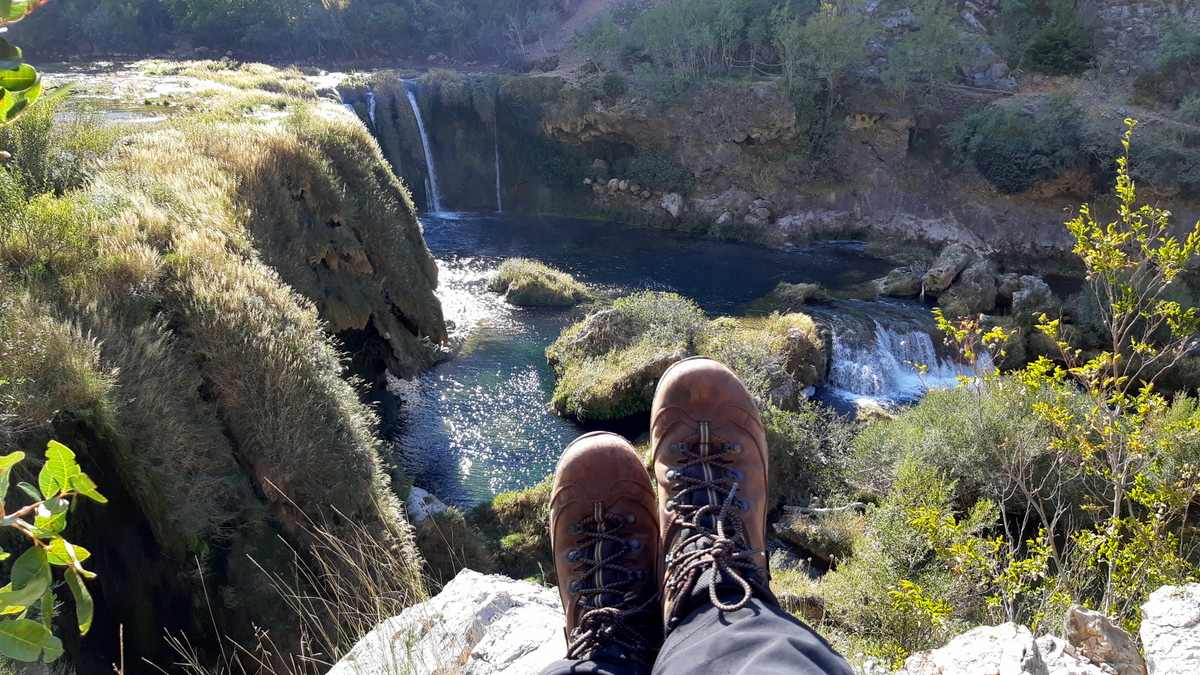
759, 639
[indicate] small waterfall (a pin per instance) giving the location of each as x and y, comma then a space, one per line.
499, 196
433, 192
876, 361
371, 107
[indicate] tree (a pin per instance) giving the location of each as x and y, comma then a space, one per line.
930, 52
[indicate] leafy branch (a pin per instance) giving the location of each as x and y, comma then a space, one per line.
20, 83
27, 602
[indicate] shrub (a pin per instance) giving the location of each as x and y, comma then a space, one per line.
614, 85
1176, 71
658, 171
515, 526
1060, 49
449, 544
778, 356
529, 283
1015, 149
808, 450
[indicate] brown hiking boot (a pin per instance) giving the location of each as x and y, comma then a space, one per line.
710, 461
604, 532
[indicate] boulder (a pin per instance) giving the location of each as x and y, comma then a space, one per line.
672, 203
1031, 298
1171, 630
477, 625
422, 505
1063, 659
1103, 642
950, 262
1007, 649
787, 297
974, 291
902, 282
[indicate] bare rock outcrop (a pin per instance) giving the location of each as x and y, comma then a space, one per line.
477, 625
1171, 630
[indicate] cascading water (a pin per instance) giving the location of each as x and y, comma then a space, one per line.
879, 352
499, 195
433, 191
371, 107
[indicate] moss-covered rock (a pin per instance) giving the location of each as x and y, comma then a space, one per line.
789, 298
609, 363
528, 283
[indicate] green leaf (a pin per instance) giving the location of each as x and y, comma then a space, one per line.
7, 462
30, 579
84, 485
31, 491
20, 101
10, 55
53, 649
23, 639
65, 554
47, 613
49, 525
12, 11
59, 470
84, 607
20, 78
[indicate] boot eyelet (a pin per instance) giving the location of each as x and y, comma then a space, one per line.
630, 518
671, 474
670, 506
573, 555
736, 449
574, 587
736, 474
743, 504
634, 544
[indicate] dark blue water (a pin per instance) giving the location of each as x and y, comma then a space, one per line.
477, 425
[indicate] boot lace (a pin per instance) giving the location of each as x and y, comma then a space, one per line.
709, 509
609, 587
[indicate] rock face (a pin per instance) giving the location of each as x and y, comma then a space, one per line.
1100, 640
1171, 630
1062, 658
952, 260
1007, 649
902, 282
974, 291
477, 625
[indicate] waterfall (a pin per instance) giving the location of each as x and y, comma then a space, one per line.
882, 359
499, 196
433, 192
371, 107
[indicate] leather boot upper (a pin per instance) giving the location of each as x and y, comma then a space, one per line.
711, 465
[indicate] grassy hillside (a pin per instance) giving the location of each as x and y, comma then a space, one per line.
171, 297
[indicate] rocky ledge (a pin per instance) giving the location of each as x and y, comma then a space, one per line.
493, 625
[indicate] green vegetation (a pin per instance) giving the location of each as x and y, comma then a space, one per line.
29, 599
609, 363
1176, 72
298, 29
1015, 496
1046, 36
151, 317
516, 527
529, 283
1015, 148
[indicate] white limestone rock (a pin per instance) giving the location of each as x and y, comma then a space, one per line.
1007, 649
477, 625
1171, 630
422, 505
